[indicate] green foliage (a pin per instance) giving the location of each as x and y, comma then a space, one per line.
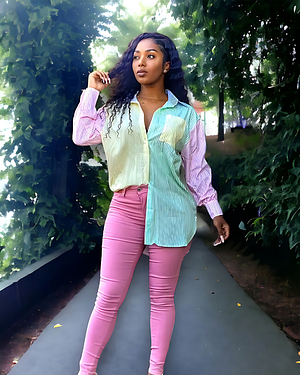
94, 202
244, 47
268, 179
251, 51
45, 60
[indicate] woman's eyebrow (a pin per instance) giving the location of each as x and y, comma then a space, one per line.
147, 50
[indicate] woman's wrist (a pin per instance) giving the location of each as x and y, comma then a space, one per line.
94, 88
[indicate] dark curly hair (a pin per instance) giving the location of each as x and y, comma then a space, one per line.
125, 86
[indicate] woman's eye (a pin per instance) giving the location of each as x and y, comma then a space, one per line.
135, 57
151, 56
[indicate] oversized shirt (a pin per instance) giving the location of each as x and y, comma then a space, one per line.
169, 158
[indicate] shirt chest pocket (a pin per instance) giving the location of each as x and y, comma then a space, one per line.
173, 130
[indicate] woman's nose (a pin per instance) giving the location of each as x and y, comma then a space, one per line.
142, 62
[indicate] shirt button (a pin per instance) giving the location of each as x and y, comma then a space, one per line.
139, 189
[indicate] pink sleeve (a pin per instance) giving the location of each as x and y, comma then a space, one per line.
198, 172
87, 121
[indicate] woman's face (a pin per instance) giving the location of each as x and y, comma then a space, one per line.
148, 63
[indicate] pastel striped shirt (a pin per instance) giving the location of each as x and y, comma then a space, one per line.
169, 158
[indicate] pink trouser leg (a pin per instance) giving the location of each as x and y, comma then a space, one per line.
164, 268
122, 246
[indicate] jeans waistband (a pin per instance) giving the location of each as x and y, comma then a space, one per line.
137, 188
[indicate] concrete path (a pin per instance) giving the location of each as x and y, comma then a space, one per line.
219, 330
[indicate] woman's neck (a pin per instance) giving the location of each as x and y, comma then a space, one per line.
154, 93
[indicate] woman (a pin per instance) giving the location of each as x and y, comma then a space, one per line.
155, 145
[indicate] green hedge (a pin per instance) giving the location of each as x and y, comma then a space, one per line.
269, 179
44, 63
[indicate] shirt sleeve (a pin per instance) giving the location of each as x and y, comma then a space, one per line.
198, 172
87, 121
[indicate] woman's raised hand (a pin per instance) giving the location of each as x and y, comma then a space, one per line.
98, 80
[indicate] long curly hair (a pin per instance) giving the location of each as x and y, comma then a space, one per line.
124, 84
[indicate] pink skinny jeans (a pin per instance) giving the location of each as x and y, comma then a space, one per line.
123, 244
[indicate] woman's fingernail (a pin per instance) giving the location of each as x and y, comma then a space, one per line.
222, 238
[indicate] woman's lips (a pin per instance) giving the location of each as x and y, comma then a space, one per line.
141, 73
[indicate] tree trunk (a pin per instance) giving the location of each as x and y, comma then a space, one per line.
240, 117
221, 116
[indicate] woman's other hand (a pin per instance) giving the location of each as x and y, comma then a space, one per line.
98, 80
222, 228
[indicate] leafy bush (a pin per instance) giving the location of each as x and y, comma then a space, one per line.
249, 52
267, 179
45, 60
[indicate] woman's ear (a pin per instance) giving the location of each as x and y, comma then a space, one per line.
167, 67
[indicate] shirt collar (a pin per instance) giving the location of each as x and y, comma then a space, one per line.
171, 102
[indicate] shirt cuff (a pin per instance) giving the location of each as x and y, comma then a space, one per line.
213, 208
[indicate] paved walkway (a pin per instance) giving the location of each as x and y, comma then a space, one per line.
219, 330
